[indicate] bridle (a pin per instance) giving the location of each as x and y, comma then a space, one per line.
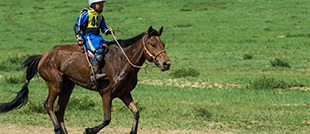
153, 57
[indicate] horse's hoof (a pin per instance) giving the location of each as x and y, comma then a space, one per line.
133, 132
88, 131
58, 130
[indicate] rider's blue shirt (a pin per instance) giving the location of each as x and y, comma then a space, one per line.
87, 27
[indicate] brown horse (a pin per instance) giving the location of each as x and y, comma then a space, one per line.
65, 66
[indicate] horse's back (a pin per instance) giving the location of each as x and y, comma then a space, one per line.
64, 60
59, 53
67, 48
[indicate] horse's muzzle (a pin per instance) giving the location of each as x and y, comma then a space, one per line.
164, 66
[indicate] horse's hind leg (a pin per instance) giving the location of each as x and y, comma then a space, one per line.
127, 99
54, 91
62, 103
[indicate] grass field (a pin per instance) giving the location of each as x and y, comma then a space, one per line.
252, 59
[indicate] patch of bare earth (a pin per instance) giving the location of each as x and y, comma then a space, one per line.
178, 83
205, 84
27, 129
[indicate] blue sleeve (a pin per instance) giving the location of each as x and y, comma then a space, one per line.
80, 21
103, 27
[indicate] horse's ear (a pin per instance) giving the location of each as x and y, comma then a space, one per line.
160, 30
149, 32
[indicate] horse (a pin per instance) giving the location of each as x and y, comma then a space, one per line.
65, 66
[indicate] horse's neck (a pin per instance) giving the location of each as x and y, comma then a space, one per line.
135, 54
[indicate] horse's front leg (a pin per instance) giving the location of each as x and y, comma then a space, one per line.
107, 101
127, 99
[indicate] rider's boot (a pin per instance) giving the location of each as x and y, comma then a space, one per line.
96, 66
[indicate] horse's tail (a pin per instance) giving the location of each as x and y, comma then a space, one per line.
32, 66
22, 96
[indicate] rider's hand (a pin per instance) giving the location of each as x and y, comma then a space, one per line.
80, 42
111, 31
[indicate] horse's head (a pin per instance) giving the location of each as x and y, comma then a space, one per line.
155, 49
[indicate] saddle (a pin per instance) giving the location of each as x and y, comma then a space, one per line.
89, 54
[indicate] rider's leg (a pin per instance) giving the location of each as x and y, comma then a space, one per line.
97, 62
94, 43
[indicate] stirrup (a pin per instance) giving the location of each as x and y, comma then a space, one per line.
98, 76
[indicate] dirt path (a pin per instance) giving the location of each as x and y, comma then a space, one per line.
19, 129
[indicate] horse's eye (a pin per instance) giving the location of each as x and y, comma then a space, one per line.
153, 45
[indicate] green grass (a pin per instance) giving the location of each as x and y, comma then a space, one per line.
280, 63
167, 107
185, 72
233, 45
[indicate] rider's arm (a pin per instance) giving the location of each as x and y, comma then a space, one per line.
78, 26
104, 28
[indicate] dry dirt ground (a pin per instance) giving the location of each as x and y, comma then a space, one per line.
20, 129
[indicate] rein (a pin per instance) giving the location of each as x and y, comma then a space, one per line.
90, 65
153, 57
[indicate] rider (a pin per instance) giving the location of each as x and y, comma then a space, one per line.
89, 23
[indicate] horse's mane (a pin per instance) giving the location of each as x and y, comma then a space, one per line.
128, 42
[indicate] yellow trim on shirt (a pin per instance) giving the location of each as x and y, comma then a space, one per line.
79, 25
